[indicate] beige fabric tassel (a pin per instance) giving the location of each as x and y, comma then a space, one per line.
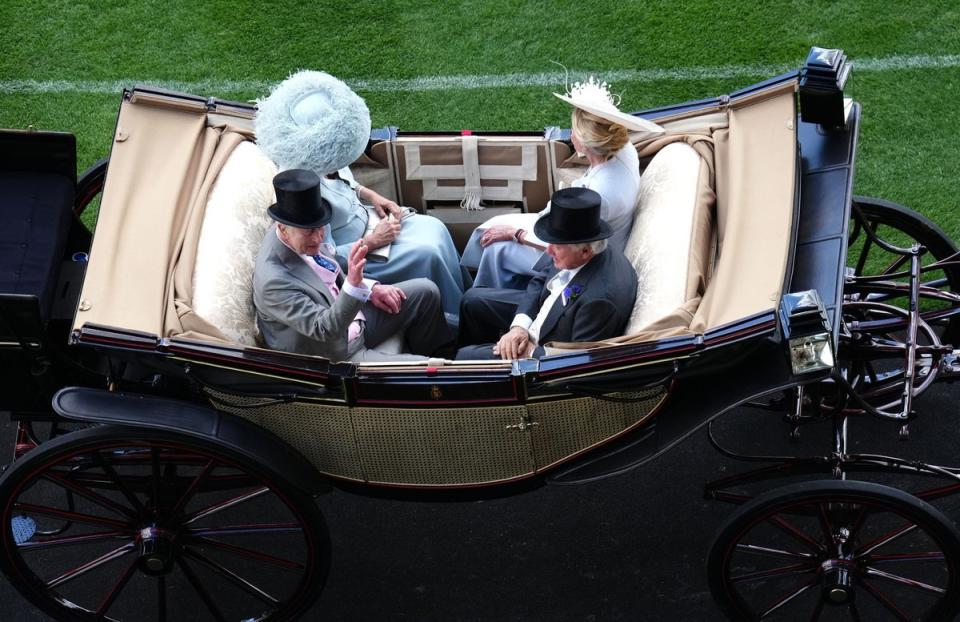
472, 191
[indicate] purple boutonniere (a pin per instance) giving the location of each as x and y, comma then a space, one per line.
570, 293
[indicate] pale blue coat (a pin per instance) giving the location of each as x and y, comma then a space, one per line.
424, 247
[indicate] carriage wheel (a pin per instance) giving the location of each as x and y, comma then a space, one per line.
903, 227
836, 550
877, 359
162, 527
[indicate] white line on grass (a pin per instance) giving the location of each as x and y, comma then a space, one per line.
445, 83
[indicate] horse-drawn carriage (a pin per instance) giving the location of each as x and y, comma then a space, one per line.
166, 463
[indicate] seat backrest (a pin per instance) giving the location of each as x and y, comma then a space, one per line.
671, 245
234, 224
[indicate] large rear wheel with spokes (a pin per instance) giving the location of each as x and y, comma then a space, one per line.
113, 523
836, 550
902, 227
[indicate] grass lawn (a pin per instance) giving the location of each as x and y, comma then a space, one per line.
909, 151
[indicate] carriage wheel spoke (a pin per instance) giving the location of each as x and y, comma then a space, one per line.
854, 612
824, 522
817, 610
245, 530
118, 482
192, 488
83, 491
198, 588
155, 483
795, 532
765, 551
783, 571
911, 583
865, 250
68, 540
233, 577
885, 539
116, 589
250, 554
76, 517
888, 604
894, 266
932, 556
787, 598
87, 567
224, 505
857, 524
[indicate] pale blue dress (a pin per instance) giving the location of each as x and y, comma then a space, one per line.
510, 265
424, 247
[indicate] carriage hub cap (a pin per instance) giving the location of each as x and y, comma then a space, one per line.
837, 581
156, 551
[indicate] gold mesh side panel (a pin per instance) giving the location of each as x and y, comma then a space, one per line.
433, 447
321, 433
442, 447
563, 428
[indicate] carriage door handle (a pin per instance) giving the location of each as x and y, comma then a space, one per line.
525, 422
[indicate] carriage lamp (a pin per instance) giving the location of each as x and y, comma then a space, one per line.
811, 353
806, 329
822, 80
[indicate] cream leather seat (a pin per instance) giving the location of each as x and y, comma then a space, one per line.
234, 223
671, 245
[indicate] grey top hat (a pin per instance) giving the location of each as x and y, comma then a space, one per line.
574, 218
299, 203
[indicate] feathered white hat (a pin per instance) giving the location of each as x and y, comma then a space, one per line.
594, 97
312, 121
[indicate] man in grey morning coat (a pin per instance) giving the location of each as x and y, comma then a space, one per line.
305, 305
587, 295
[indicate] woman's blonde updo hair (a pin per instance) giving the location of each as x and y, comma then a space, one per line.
598, 134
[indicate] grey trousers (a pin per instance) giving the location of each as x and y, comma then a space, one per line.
420, 319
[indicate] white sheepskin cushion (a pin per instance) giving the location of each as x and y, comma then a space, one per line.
234, 224
659, 244
314, 121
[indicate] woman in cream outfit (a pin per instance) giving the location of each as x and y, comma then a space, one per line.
601, 133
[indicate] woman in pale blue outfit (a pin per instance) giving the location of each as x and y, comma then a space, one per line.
420, 246
500, 248
314, 121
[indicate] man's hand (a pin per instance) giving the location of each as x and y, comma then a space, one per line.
387, 298
497, 233
355, 263
384, 233
513, 345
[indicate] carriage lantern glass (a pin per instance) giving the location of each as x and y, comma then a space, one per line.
811, 353
805, 325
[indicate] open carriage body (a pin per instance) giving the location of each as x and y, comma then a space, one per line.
193, 421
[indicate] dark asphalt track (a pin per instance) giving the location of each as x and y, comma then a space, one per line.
628, 548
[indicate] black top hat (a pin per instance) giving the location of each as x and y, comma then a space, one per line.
574, 218
299, 203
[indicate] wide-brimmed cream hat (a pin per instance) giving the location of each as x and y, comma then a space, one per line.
594, 96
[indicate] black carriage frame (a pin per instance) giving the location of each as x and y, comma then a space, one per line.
167, 426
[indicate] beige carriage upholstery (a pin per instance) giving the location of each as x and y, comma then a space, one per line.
168, 152
442, 175
234, 223
738, 229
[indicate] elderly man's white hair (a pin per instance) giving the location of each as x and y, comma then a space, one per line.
597, 246
313, 121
